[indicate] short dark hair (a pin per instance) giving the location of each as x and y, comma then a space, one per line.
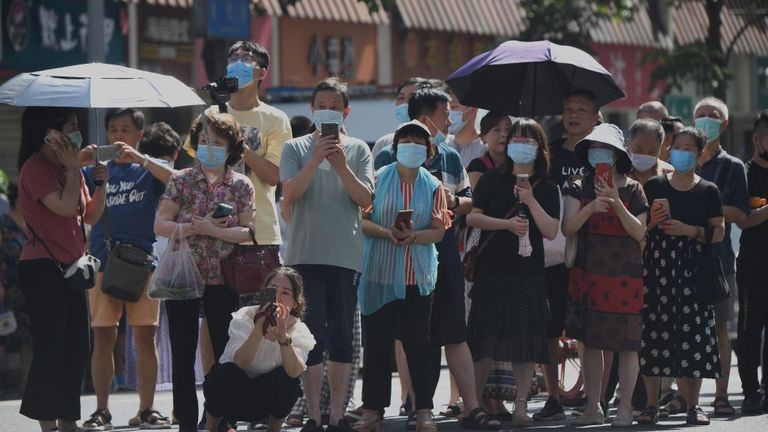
668, 123
761, 120
438, 84
225, 126
160, 141
586, 94
410, 81
35, 122
137, 117
335, 85
490, 120
297, 286
698, 136
413, 130
259, 53
530, 128
646, 126
301, 125
424, 102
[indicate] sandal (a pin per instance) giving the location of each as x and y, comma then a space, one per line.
649, 416
521, 419
723, 408
451, 411
424, 421
697, 417
479, 419
370, 422
295, 420
672, 409
152, 419
100, 421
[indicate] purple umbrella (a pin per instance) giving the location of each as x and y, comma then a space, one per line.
531, 78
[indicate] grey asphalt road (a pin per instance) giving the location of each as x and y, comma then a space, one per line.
124, 405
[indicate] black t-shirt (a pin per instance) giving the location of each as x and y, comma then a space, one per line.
494, 195
693, 207
481, 164
565, 169
755, 239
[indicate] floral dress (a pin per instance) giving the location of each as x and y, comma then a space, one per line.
13, 239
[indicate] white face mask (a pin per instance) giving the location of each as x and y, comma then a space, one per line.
643, 162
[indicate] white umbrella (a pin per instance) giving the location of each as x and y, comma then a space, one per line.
97, 85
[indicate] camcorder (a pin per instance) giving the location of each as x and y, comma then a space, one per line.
221, 90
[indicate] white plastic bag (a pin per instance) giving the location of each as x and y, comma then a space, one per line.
177, 276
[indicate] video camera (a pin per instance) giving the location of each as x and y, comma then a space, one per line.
221, 90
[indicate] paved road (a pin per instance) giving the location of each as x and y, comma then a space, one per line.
124, 405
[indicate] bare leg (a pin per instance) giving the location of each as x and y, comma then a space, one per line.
338, 379
66, 425
593, 376
103, 363
47, 425
146, 364
724, 346
629, 367
482, 369
690, 388
652, 390
312, 380
455, 394
523, 379
406, 387
550, 370
460, 364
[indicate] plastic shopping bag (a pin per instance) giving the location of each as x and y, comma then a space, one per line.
177, 276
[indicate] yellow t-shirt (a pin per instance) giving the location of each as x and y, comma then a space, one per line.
266, 129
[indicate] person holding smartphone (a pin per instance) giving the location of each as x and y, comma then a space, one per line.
607, 212
516, 206
399, 273
257, 376
190, 199
679, 335
55, 204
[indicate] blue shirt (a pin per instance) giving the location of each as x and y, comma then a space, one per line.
732, 183
447, 167
132, 197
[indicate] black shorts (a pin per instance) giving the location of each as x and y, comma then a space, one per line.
556, 282
448, 326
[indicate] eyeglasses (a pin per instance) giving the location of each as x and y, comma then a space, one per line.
244, 59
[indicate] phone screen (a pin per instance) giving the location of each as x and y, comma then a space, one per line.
327, 129
403, 218
523, 180
266, 296
106, 153
603, 171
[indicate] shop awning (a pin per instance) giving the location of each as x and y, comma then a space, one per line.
637, 32
690, 23
500, 18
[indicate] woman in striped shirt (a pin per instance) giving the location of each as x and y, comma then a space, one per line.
399, 274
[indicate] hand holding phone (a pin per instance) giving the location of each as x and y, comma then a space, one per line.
222, 210
604, 172
660, 208
106, 153
403, 219
523, 180
329, 129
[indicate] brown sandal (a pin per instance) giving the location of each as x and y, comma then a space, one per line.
697, 417
723, 408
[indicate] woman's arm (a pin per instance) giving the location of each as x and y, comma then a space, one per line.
212, 227
546, 223
574, 217
165, 220
719, 224
247, 351
64, 202
635, 225
479, 219
291, 362
95, 207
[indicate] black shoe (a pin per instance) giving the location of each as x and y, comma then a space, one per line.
765, 403
552, 410
407, 407
752, 405
343, 426
311, 426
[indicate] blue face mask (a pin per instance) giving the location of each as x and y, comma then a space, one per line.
682, 160
439, 137
77, 138
242, 71
219, 156
457, 124
327, 116
411, 155
599, 155
401, 113
521, 153
710, 127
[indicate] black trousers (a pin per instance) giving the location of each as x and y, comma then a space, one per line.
61, 339
379, 335
753, 319
232, 394
183, 327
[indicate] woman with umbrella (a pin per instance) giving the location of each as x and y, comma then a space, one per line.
607, 212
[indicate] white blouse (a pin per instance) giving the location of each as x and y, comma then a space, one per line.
268, 355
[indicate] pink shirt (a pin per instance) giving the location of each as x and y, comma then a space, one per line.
62, 234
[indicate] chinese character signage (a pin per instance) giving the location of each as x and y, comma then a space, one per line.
334, 55
50, 33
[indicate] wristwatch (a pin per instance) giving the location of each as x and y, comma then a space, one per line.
286, 342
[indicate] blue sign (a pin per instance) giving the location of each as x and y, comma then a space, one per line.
229, 19
50, 33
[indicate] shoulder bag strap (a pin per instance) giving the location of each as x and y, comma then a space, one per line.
507, 216
40, 239
107, 232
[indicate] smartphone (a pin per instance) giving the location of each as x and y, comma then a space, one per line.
222, 210
523, 180
266, 296
664, 203
403, 218
106, 153
604, 172
327, 129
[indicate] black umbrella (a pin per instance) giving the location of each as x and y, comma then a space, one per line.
531, 78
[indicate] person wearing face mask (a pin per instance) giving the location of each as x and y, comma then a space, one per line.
399, 274
510, 288
728, 173
645, 141
751, 265
679, 338
404, 92
466, 139
607, 211
190, 198
55, 204
326, 181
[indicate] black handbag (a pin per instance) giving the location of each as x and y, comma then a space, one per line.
711, 286
127, 270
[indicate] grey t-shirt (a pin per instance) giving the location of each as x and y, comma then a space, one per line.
326, 226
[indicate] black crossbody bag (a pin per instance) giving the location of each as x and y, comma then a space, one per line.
127, 269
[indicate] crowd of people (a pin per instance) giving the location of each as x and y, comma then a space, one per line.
492, 243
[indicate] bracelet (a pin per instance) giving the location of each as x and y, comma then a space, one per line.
146, 161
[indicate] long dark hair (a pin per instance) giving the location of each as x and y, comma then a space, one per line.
530, 128
35, 123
